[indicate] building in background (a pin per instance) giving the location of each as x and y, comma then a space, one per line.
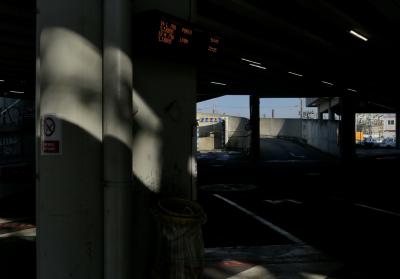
389, 125
217, 132
327, 108
370, 124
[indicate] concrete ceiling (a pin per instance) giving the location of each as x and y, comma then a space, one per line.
17, 47
310, 37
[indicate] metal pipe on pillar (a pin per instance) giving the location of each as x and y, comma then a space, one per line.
117, 137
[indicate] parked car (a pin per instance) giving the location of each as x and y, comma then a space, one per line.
369, 142
388, 142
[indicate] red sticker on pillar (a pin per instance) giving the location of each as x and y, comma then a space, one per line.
51, 135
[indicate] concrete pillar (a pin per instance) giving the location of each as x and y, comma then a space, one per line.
331, 114
117, 139
398, 129
164, 92
255, 127
70, 184
347, 129
163, 150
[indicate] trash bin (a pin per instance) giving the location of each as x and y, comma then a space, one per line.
180, 248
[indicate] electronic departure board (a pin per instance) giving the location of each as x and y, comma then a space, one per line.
172, 33
160, 32
213, 44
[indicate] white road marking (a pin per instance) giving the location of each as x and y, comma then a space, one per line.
378, 209
296, 156
283, 201
307, 275
263, 221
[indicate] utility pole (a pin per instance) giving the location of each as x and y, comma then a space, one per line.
273, 113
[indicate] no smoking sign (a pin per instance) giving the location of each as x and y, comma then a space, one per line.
51, 134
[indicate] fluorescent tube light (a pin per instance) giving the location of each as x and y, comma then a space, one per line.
327, 83
295, 74
355, 34
217, 83
258, 66
251, 61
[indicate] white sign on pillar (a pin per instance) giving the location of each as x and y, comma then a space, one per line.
51, 135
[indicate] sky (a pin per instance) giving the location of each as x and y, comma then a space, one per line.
239, 106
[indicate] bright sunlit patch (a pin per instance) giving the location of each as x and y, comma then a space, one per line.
146, 118
17, 92
28, 233
192, 166
147, 159
258, 272
355, 34
2, 221
71, 72
306, 275
1, 80
352, 90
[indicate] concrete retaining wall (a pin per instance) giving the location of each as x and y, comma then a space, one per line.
238, 133
234, 132
277, 127
323, 135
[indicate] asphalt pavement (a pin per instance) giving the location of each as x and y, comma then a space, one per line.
349, 211
276, 149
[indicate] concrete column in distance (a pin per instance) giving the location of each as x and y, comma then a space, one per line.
347, 128
331, 114
398, 129
255, 127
